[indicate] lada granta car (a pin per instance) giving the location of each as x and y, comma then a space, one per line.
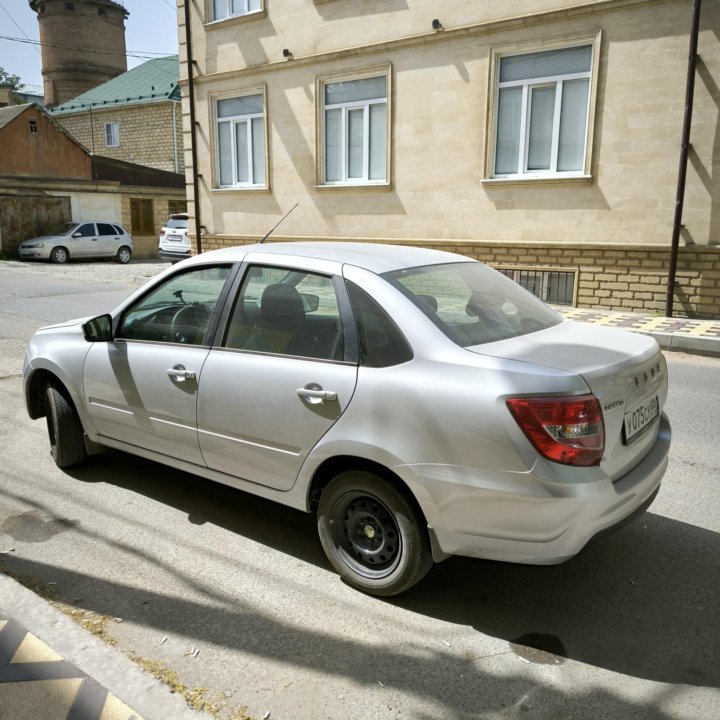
419, 403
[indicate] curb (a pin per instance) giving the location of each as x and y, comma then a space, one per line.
688, 344
104, 664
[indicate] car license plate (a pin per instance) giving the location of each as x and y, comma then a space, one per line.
174, 238
639, 418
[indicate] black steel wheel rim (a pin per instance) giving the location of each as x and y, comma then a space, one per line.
366, 534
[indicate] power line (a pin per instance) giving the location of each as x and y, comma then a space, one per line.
170, 5
37, 50
142, 54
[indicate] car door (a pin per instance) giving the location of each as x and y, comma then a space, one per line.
141, 389
282, 377
84, 241
109, 240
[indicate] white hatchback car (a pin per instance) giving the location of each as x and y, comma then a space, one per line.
80, 241
418, 402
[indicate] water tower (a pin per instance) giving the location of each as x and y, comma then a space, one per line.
83, 45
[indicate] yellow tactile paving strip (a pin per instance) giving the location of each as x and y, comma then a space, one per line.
644, 323
37, 684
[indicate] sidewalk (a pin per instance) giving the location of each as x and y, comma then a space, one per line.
680, 334
60, 671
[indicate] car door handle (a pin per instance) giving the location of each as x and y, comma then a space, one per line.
180, 373
94, 239
316, 393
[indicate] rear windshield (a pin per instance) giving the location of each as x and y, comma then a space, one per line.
472, 303
177, 223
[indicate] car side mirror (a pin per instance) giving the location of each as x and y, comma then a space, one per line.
98, 329
310, 302
77, 234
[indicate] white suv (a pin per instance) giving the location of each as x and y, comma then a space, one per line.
174, 241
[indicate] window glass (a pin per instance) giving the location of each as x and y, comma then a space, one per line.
112, 134
229, 8
542, 109
286, 312
119, 230
174, 223
179, 310
473, 304
106, 229
355, 131
241, 141
381, 342
86, 230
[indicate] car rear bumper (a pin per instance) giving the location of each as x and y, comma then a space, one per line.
179, 254
520, 517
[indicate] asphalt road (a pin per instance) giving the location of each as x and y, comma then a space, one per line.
235, 595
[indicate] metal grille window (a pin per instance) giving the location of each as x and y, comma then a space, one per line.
556, 287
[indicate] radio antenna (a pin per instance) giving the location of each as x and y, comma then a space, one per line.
272, 230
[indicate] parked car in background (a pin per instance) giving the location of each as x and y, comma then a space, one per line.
419, 403
80, 241
174, 240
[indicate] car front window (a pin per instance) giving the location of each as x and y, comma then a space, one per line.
472, 303
178, 310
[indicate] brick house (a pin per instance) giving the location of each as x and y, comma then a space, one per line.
135, 117
540, 136
49, 177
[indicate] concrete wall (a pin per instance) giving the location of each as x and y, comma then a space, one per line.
26, 217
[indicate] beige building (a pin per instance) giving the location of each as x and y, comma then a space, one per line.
540, 136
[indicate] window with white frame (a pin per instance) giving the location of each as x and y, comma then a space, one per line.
541, 117
232, 8
355, 131
241, 141
112, 134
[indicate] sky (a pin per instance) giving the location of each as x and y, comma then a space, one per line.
150, 31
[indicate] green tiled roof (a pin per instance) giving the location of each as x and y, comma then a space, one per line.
152, 81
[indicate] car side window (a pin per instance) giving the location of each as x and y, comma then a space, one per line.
86, 230
178, 310
381, 342
286, 312
119, 230
106, 229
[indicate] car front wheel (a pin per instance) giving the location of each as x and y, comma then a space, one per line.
123, 255
59, 255
372, 535
67, 444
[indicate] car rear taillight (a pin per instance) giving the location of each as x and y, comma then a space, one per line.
567, 430
162, 232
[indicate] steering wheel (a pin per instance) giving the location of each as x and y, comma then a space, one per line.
188, 324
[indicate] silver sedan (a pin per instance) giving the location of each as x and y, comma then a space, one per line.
419, 403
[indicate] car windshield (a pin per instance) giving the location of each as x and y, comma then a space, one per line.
63, 228
177, 223
472, 303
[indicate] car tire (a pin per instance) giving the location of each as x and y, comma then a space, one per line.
67, 443
123, 255
59, 255
372, 535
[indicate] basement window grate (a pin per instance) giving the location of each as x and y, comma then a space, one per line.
554, 286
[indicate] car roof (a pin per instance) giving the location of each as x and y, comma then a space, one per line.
377, 258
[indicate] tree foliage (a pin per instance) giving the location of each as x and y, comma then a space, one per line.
7, 79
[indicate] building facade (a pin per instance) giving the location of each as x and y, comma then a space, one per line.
51, 178
135, 117
539, 136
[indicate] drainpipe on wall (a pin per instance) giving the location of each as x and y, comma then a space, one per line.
176, 164
92, 132
193, 143
684, 148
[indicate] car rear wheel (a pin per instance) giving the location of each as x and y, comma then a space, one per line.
123, 255
67, 444
59, 255
372, 535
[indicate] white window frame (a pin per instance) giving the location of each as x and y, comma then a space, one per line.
346, 107
230, 14
528, 85
233, 121
113, 136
